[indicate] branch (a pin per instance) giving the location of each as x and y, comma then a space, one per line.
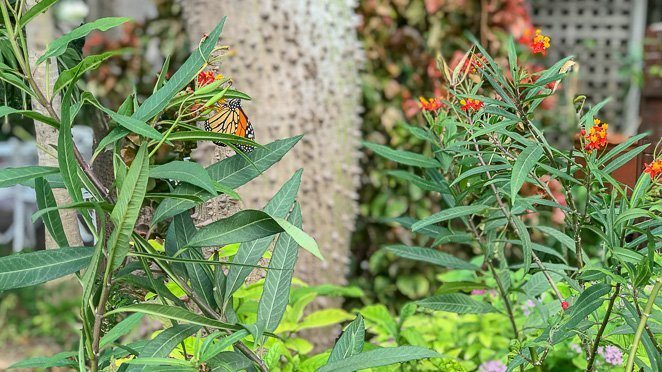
642, 325
594, 350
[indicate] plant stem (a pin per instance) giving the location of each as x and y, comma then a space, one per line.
598, 336
642, 325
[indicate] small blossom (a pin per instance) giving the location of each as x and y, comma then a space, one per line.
540, 43
612, 355
477, 292
576, 348
654, 169
430, 104
492, 366
596, 138
565, 305
474, 63
207, 77
470, 104
527, 307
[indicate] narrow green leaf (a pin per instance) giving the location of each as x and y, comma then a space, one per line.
120, 329
525, 240
187, 72
231, 172
127, 207
5, 110
132, 124
304, 240
24, 270
218, 347
432, 256
88, 63
525, 162
402, 157
39, 7
243, 226
623, 159
13, 176
251, 252
63, 359
448, 214
350, 342
58, 46
161, 345
175, 313
456, 303
184, 171
65, 151
201, 135
113, 136
379, 357
276, 290
52, 221
558, 235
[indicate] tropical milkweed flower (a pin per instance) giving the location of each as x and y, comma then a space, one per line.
540, 43
470, 104
474, 63
430, 104
527, 307
654, 169
206, 78
596, 138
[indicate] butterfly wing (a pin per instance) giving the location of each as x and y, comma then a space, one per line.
231, 120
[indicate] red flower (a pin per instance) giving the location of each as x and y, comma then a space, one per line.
596, 138
205, 78
565, 305
654, 169
471, 104
431, 104
539, 43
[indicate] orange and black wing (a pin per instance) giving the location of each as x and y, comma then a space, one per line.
231, 119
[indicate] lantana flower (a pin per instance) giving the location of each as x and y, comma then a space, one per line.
430, 104
539, 43
596, 138
470, 104
612, 355
654, 169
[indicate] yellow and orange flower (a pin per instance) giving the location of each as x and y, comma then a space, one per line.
470, 104
654, 169
206, 78
596, 138
540, 43
430, 104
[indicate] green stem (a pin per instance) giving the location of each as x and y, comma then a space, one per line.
598, 336
642, 325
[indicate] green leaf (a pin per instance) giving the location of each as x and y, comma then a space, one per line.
52, 221
65, 151
350, 342
456, 303
304, 240
161, 345
9, 77
127, 207
230, 361
39, 7
6, 110
448, 214
403, 157
202, 135
24, 270
187, 72
184, 171
380, 357
432, 256
58, 46
121, 329
479, 170
113, 136
512, 56
131, 123
231, 172
525, 240
88, 63
620, 147
13, 176
589, 301
175, 313
243, 226
218, 347
558, 235
525, 162
276, 290
537, 283
64, 359
623, 159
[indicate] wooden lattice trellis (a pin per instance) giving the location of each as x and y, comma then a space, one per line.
605, 37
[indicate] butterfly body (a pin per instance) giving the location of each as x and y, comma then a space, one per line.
230, 118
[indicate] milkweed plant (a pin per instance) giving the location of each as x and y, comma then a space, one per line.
549, 232
183, 275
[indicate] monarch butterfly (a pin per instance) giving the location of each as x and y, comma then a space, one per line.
231, 119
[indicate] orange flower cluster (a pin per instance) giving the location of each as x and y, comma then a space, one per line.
206, 78
474, 63
654, 169
431, 104
471, 104
597, 136
539, 43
